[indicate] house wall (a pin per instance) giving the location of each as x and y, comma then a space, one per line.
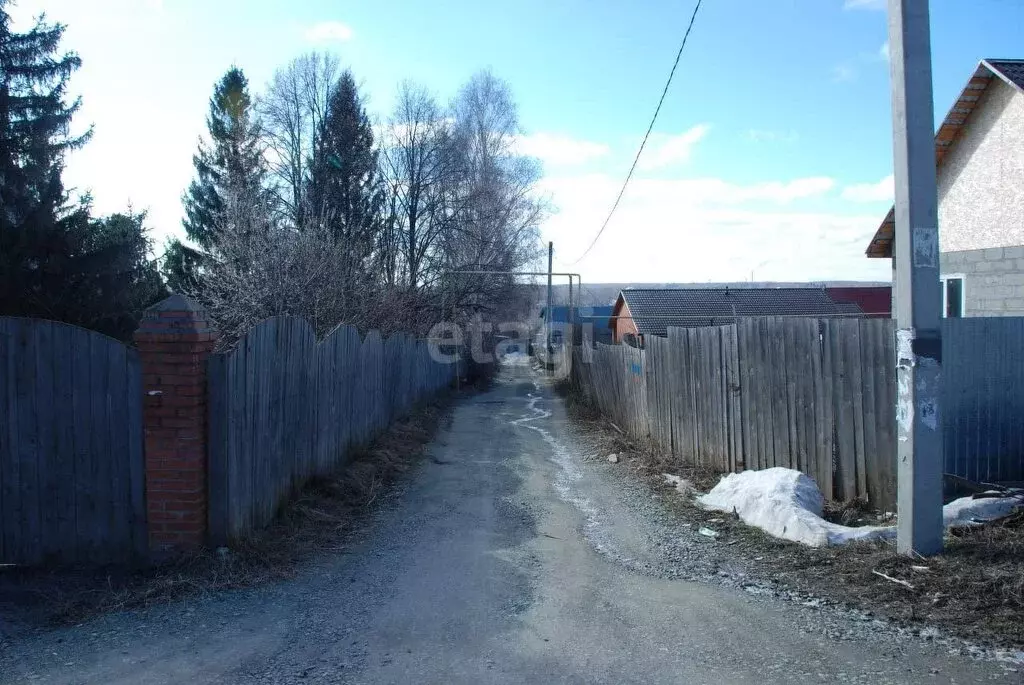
624, 323
993, 279
981, 182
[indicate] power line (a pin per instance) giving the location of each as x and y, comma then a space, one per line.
647, 135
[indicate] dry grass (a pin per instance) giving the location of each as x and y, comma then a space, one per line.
975, 590
563, 387
317, 521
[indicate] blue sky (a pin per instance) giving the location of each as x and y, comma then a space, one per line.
771, 156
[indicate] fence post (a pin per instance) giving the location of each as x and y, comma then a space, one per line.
174, 340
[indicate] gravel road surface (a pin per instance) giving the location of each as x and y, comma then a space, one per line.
507, 557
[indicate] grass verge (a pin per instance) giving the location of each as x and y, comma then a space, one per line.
975, 590
318, 520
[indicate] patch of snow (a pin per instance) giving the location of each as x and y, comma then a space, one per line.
682, 486
516, 359
968, 511
787, 504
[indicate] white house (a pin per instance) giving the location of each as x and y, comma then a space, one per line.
979, 153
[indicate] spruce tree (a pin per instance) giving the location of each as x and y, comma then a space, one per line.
230, 163
39, 231
123, 279
344, 194
55, 262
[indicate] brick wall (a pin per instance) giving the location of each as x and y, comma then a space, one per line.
174, 341
993, 279
623, 323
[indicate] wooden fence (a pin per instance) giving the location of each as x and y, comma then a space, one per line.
71, 457
814, 395
283, 409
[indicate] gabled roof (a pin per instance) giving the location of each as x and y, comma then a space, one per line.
1010, 71
655, 310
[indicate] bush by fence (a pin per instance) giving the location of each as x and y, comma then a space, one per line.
814, 395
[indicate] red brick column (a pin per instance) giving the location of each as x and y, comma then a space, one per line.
174, 340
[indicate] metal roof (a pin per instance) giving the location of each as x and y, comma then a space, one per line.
655, 310
1011, 71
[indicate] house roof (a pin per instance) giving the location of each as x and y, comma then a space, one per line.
655, 310
1007, 70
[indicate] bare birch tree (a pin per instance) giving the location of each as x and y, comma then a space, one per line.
419, 165
500, 210
293, 110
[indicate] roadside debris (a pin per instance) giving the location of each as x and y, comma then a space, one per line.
708, 533
894, 580
613, 458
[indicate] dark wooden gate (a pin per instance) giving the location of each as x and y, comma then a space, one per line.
71, 452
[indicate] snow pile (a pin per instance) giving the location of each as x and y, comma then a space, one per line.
968, 511
787, 504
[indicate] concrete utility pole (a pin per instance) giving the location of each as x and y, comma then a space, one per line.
918, 294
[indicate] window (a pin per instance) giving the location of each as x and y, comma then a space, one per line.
953, 296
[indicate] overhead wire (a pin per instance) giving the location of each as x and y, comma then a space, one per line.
643, 144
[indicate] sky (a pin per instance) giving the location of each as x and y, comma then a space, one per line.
771, 159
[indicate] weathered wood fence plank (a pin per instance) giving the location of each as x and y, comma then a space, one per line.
284, 409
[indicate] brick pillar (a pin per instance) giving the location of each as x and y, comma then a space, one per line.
174, 340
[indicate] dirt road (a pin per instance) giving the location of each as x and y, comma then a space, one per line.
506, 558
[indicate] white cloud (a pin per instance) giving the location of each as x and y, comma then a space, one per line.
708, 230
865, 5
556, 149
329, 32
871, 192
843, 73
664, 151
883, 52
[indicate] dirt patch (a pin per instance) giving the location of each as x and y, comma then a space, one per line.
319, 520
975, 590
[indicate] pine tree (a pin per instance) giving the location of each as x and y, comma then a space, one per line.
232, 163
344, 194
55, 262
